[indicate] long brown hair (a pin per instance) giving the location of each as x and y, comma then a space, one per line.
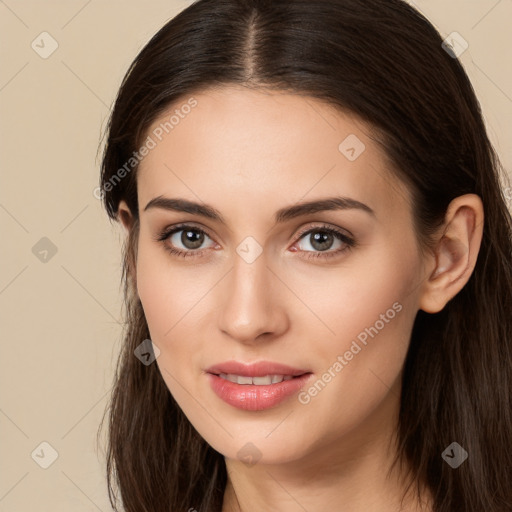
384, 62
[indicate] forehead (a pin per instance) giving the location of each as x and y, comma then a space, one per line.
251, 150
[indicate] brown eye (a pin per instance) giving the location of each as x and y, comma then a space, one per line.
191, 238
183, 240
321, 239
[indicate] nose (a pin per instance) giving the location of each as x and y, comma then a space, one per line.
252, 301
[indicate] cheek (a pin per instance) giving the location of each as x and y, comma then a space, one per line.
361, 368
173, 299
372, 312
369, 290
157, 291
164, 301
167, 292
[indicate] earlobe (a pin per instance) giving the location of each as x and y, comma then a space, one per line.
455, 253
124, 216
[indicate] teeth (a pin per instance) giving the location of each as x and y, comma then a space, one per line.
263, 380
258, 381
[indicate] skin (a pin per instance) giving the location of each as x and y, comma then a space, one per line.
249, 153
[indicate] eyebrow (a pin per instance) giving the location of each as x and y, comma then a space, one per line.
282, 215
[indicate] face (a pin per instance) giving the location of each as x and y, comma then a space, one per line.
282, 329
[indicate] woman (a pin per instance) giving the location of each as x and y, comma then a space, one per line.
317, 267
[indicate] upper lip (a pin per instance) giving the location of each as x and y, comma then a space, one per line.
259, 369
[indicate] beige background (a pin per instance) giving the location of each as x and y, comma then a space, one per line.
61, 318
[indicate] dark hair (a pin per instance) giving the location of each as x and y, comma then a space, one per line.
384, 62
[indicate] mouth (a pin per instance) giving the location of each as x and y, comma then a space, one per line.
256, 386
261, 369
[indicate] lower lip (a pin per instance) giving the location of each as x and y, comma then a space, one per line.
251, 397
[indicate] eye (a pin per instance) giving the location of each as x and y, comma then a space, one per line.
322, 239
190, 237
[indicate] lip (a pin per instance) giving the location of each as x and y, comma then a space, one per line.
259, 369
251, 397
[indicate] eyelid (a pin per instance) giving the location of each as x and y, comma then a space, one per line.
173, 228
325, 225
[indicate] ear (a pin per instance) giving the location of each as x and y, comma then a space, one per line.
127, 219
455, 253
125, 216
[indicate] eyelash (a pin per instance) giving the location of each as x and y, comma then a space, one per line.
166, 233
